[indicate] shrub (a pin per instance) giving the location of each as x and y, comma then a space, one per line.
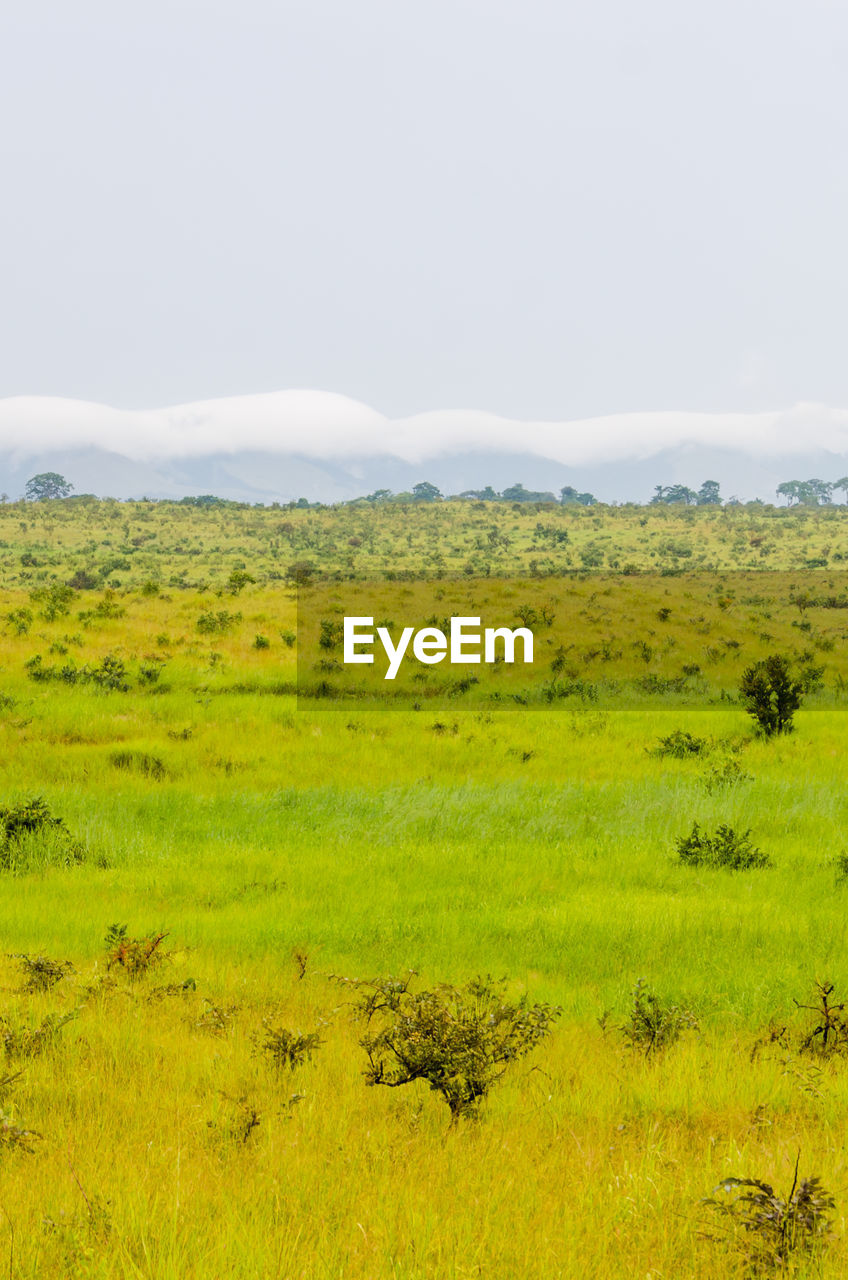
771, 694
20, 620
652, 1023
286, 1048
135, 955
300, 572
724, 848
109, 674
239, 1117
210, 623
28, 1041
41, 973
56, 600
680, 745
29, 833
459, 1039
238, 579
82, 580
829, 1034
770, 1229
724, 772
261, 642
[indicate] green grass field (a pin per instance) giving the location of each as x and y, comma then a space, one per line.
524, 826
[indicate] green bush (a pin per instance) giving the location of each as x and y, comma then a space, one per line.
680, 745
460, 1040
653, 1023
31, 835
724, 848
771, 694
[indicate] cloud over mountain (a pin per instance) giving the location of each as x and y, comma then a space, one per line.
333, 428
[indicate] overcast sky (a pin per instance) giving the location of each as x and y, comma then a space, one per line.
547, 209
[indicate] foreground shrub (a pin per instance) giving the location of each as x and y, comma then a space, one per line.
724, 848
769, 1229
652, 1022
771, 694
460, 1040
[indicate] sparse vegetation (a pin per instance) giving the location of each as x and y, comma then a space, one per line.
518, 820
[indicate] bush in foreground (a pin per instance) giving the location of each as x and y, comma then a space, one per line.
769, 1229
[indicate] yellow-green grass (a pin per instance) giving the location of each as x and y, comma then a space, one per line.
532, 839
128, 543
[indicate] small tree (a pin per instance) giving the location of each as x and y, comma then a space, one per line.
771, 694
47, 484
459, 1039
426, 492
709, 494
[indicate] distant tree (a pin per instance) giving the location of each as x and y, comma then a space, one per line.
709, 495
426, 492
842, 485
482, 495
379, 495
517, 493
790, 490
47, 484
568, 495
680, 495
810, 493
675, 494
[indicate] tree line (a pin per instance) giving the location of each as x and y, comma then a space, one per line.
811, 493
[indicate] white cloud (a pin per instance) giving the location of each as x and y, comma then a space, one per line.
325, 426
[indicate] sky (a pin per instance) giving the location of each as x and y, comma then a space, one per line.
543, 209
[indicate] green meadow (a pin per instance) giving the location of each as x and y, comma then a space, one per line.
260, 825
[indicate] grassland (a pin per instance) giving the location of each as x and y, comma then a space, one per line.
522, 826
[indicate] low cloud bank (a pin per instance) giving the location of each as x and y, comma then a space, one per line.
325, 426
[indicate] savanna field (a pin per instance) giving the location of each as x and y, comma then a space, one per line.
217, 844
